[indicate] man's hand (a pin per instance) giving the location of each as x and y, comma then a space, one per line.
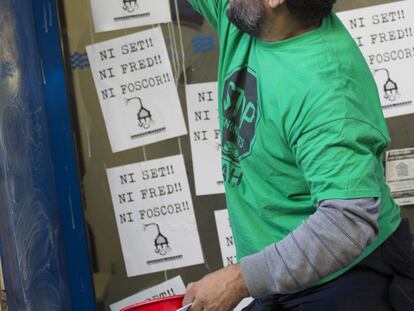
218, 291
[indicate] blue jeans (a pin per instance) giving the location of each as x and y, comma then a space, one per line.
384, 281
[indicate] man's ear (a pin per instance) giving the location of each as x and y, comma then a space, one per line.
273, 4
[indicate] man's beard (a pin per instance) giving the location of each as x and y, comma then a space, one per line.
247, 15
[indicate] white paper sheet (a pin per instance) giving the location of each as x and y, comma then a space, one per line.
244, 303
171, 287
155, 216
185, 308
205, 137
228, 250
136, 89
400, 175
384, 34
119, 14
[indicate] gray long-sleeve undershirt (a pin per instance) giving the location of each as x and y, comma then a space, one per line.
332, 238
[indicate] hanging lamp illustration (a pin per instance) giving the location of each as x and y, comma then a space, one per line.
390, 87
161, 244
144, 115
130, 5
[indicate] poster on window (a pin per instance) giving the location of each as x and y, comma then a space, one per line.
205, 137
228, 250
171, 287
384, 33
155, 215
136, 89
225, 235
400, 175
120, 14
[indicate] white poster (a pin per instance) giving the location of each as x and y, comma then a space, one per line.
400, 175
120, 14
155, 215
136, 89
202, 105
228, 250
171, 287
384, 33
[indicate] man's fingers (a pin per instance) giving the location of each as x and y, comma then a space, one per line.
187, 299
196, 306
189, 296
189, 286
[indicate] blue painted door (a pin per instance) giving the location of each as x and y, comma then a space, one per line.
42, 232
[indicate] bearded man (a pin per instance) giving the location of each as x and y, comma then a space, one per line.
303, 137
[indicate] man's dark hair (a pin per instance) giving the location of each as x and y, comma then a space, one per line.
310, 9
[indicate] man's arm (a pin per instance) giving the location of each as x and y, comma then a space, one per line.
328, 241
341, 165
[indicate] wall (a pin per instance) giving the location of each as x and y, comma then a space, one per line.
96, 155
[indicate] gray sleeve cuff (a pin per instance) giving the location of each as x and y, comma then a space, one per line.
256, 274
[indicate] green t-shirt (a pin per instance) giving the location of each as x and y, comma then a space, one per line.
301, 122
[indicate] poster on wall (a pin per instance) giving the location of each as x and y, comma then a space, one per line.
119, 14
136, 89
228, 250
205, 137
225, 235
171, 287
400, 175
384, 33
155, 215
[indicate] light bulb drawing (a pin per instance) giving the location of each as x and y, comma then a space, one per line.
161, 244
130, 5
144, 115
390, 87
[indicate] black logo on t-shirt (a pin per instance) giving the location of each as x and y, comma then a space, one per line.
240, 111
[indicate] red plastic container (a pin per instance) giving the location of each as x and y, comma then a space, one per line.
163, 304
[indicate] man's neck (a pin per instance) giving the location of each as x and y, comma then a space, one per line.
282, 26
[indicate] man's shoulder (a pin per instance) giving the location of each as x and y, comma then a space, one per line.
339, 42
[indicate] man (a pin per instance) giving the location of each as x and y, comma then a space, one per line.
303, 137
